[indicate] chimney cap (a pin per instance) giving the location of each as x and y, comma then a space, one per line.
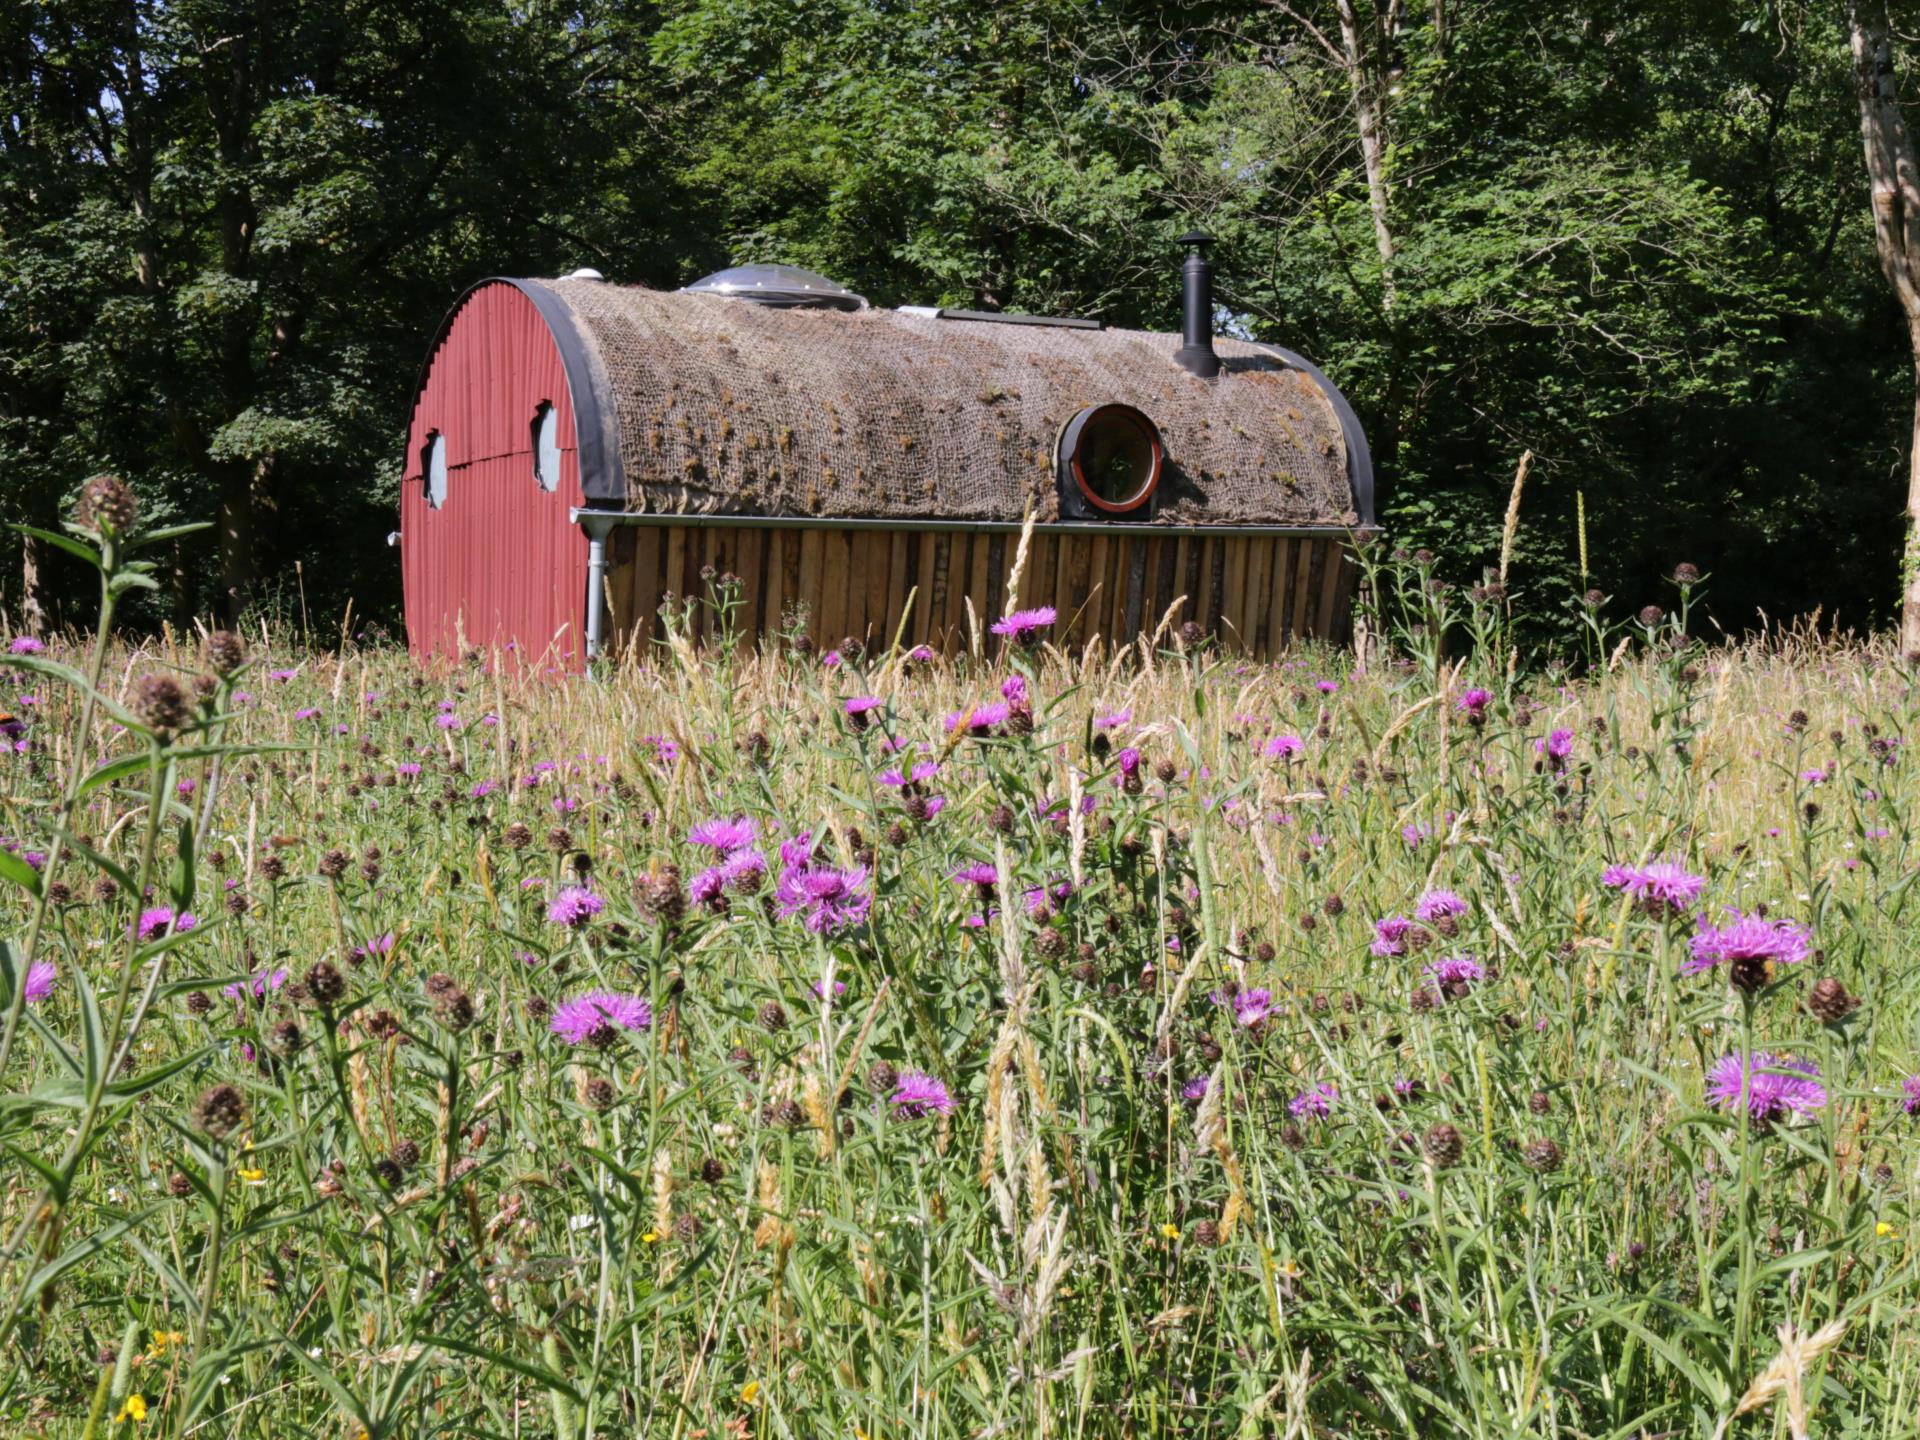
1196, 238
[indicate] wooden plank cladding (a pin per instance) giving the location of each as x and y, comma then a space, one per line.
1258, 593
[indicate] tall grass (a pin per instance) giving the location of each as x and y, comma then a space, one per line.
1372, 1202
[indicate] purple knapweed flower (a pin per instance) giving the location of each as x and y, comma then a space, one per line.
1659, 887
980, 873
1416, 835
1112, 719
25, 645
597, 1019
980, 720
1195, 1089
256, 986
796, 850
726, 836
1747, 944
1023, 625
1909, 1089
1456, 974
447, 720
575, 907
1474, 702
160, 920
1250, 1007
40, 974
1314, 1103
1765, 1085
825, 899
1013, 690
921, 654
1390, 935
1556, 747
1283, 747
917, 1094
1438, 905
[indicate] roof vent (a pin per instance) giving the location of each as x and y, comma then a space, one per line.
785, 287
584, 273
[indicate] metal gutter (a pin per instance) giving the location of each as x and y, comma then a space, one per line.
592, 518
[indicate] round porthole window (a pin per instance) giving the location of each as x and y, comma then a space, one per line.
1112, 456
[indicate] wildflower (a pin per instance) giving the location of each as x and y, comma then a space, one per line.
161, 920
597, 1019
1315, 1102
1129, 763
135, 1410
1170, 1231
1283, 747
1456, 974
1022, 626
1910, 1094
826, 899
917, 1094
980, 720
575, 907
1440, 909
256, 986
1396, 935
1473, 704
1250, 1007
220, 1111
1195, 1089
1112, 719
1416, 835
1659, 887
921, 654
1444, 1146
1749, 946
25, 645
750, 1392
40, 978
1556, 747
726, 836
859, 708
1765, 1085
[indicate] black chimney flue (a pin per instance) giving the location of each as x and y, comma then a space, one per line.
1196, 308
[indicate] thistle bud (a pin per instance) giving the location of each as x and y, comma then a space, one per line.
106, 504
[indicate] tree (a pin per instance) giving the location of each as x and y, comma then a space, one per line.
1893, 175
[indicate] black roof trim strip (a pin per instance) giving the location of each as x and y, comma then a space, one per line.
995, 317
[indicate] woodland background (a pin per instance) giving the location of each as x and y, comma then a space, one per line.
1632, 236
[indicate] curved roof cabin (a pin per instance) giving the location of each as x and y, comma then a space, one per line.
579, 450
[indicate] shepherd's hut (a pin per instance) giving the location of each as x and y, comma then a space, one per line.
580, 450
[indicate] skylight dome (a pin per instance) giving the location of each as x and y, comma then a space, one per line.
782, 286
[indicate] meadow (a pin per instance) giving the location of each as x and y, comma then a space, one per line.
839, 1042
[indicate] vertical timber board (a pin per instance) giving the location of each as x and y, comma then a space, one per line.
1330, 587
812, 548
1302, 585
1142, 552
773, 579
1166, 583
979, 580
898, 583
873, 620
1259, 564
1316, 618
1216, 581
1276, 597
937, 589
1000, 552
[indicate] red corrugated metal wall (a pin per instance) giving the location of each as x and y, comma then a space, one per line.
499, 563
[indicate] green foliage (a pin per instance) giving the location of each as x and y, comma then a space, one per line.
1630, 237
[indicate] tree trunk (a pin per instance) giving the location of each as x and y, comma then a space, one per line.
237, 551
1363, 66
33, 610
1893, 180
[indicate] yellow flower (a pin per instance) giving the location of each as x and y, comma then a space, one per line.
135, 1410
1884, 1230
252, 1177
1172, 1232
1290, 1269
750, 1392
650, 1238
165, 1340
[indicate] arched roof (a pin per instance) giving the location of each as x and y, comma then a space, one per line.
699, 404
